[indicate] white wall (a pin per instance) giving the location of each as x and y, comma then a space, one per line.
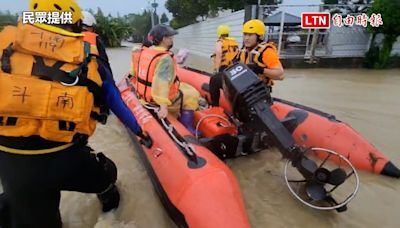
347, 41
200, 38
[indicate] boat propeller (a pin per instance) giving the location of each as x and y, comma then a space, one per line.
318, 184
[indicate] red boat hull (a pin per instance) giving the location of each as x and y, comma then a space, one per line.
202, 196
313, 129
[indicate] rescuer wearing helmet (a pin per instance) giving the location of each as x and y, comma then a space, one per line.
226, 49
261, 57
53, 91
89, 30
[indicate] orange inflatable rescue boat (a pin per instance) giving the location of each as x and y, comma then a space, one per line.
312, 128
196, 188
199, 190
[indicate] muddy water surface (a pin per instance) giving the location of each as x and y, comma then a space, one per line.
368, 100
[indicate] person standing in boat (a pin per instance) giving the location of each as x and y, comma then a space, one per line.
226, 49
54, 91
155, 79
260, 56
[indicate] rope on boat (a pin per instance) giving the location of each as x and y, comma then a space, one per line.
170, 128
211, 115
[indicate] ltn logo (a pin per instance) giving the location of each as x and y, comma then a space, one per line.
315, 20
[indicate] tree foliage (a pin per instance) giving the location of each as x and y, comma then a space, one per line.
186, 12
164, 18
347, 6
141, 24
389, 10
6, 18
112, 29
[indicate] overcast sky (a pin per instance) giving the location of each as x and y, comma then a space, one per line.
136, 6
107, 6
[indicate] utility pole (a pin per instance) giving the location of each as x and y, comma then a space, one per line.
154, 13
152, 19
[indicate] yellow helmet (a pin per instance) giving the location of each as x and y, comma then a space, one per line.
254, 26
223, 30
57, 5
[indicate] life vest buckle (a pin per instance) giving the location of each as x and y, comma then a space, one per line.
71, 84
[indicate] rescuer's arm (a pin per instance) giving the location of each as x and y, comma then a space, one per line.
274, 68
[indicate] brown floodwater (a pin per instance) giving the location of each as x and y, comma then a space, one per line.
368, 100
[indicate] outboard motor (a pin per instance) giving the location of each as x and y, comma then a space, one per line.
251, 101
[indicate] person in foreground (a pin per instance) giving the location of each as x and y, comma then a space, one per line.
54, 90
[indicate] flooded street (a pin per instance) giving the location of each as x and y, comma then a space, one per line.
366, 99
369, 101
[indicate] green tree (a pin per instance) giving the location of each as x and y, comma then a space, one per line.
389, 10
347, 6
187, 12
6, 18
112, 29
164, 18
141, 25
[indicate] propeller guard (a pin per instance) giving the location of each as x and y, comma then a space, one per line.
317, 179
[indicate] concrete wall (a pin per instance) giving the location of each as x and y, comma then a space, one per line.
353, 42
347, 41
200, 38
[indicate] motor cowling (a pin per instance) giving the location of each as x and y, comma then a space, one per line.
243, 89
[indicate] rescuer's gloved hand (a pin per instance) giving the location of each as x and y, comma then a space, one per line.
255, 68
145, 139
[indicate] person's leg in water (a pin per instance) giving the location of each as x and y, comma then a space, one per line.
33, 192
98, 174
215, 88
30, 209
110, 196
31, 199
4, 211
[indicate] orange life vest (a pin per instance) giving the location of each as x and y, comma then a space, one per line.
256, 56
49, 85
144, 64
91, 38
229, 51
